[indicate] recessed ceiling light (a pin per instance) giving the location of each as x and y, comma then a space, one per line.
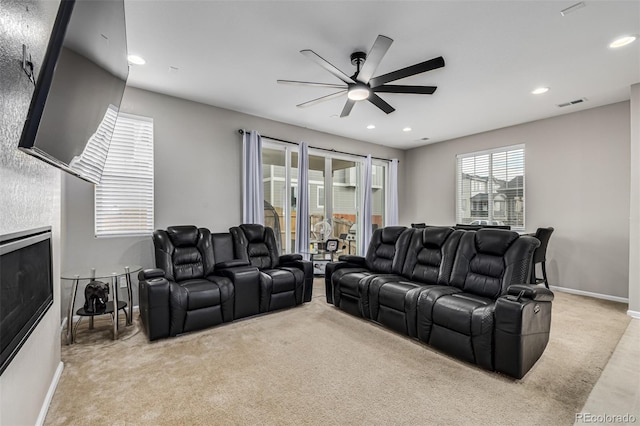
622, 41
540, 90
406, 129
371, 126
136, 60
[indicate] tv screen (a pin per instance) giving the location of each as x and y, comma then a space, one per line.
26, 288
77, 96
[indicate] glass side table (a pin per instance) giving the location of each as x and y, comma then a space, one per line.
111, 273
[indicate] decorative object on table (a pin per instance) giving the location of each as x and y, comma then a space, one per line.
322, 230
112, 275
96, 296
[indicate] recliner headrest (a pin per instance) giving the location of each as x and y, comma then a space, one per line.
435, 236
494, 241
183, 236
390, 234
254, 232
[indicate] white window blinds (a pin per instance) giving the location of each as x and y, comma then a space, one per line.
490, 187
124, 197
91, 162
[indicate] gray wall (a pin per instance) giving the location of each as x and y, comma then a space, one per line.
197, 155
577, 180
30, 194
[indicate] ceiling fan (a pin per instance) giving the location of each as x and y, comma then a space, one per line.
362, 85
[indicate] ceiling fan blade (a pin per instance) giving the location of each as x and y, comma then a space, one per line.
308, 83
347, 108
425, 66
377, 52
377, 101
327, 66
322, 99
416, 90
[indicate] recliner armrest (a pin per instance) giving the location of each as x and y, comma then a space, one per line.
147, 274
296, 261
154, 294
522, 324
356, 260
232, 264
288, 258
531, 292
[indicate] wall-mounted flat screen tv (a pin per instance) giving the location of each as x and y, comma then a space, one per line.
80, 85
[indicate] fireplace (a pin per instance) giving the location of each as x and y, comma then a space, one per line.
26, 287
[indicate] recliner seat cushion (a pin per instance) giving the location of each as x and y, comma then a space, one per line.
463, 326
397, 306
280, 288
458, 312
200, 293
284, 279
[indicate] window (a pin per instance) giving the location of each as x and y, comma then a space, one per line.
124, 197
492, 183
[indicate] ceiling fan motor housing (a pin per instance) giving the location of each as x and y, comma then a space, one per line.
358, 58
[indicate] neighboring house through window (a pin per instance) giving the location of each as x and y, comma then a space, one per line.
490, 187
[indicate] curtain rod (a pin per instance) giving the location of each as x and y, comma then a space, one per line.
242, 132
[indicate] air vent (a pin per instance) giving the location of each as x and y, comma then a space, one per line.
577, 101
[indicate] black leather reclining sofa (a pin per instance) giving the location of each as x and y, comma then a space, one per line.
203, 279
459, 291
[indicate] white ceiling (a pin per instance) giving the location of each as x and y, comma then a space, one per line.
230, 53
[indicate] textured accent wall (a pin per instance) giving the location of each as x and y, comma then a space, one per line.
30, 194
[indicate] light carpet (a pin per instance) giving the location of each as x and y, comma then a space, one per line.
315, 364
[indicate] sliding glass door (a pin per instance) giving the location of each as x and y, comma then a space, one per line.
335, 196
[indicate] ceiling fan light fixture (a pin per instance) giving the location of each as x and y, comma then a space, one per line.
358, 92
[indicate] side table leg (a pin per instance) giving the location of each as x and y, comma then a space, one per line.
129, 311
114, 290
72, 301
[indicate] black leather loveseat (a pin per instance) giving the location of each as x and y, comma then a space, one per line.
203, 279
459, 291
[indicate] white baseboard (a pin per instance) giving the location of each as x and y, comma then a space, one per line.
52, 389
590, 294
633, 314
